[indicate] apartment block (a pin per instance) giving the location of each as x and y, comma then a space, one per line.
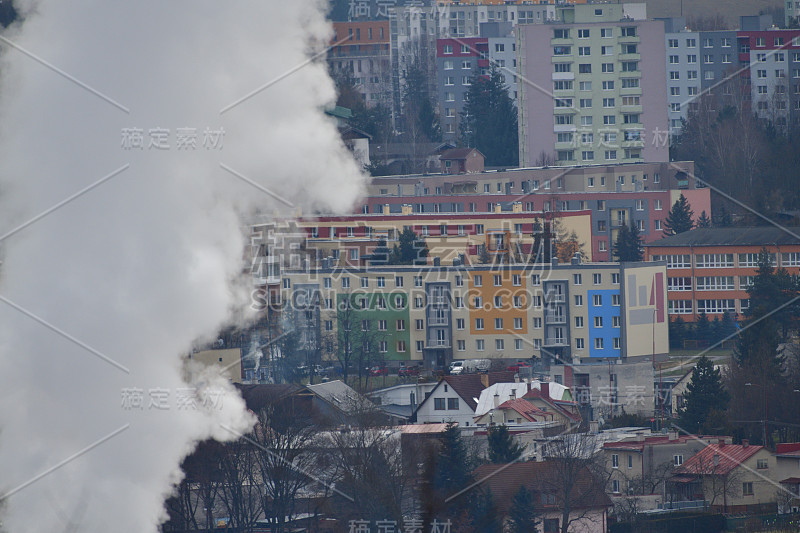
361, 49
696, 63
566, 312
640, 193
710, 269
453, 238
598, 93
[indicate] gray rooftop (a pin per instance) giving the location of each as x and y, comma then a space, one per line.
749, 236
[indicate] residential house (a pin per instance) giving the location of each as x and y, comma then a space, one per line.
536, 404
588, 503
462, 161
640, 465
455, 398
731, 478
787, 459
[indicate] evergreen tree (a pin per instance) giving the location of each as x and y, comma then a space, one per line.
489, 120
724, 219
484, 514
679, 218
502, 447
447, 472
410, 250
380, 255
704, 394
521, 515
702, 328
629, 245
703, 221
678, 331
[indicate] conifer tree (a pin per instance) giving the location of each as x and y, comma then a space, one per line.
502, 448
704, 394
679, 218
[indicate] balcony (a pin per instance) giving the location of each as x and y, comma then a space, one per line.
438, 344
559, 76
555, 297
555, 341
555, 319
438, 321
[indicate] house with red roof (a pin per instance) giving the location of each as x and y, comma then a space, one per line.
787, 459
731, 478
527, 402
640, 465
584, 506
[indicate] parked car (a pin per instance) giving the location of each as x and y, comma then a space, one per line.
378, 371
516, 366
406, 371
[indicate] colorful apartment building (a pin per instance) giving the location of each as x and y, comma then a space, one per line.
566, 312
710, 269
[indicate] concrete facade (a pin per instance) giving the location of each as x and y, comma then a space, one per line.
606, 73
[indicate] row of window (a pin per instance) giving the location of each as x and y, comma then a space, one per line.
608, 120
585, 51
709, 283
608, 85
713, 306
584, 33
586, 68
725, 42
746, 260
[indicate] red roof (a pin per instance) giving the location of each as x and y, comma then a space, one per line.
728, 456
791, 480
787, 448
469, 386
559, 406
525, 408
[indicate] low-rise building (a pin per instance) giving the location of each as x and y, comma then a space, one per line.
710, 269
454, 398
731, 478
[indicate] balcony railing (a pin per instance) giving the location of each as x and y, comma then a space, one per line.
555, 341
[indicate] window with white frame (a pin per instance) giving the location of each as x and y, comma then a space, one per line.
680, 307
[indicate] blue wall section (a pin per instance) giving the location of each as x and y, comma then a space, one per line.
608, 331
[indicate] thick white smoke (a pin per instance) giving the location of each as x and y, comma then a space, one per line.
102, 295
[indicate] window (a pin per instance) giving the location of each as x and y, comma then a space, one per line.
561, 34
447, 49
578, 321
383, 347
585, 68
717, 306
480, 345
576, 279
499, 344
537, 323
607, 67
579, 344
762, 464
597, 300
609, 120
498, 323
452, 404
478, 323
614, 460
713, 260
677, 460
747, 488
517, 323
598, 322
598, 343
584, 51
680, 307
585, 86
438, 404
578, 300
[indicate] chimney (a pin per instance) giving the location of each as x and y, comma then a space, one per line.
716, 459
485, 380
545, 388
498, 208
745, 443
513, 395
496, 400
516, 207
406, 209
673, 435
385, 209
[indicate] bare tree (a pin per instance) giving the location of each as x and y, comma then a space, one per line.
240, 491
577, 470
284, 457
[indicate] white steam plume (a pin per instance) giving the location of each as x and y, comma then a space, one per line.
106, 292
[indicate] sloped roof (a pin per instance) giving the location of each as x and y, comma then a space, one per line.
338, 394
458, 153
503, 390
559, 406
258, 396
423, 428
746, 236
523, 407
731, 456
504, 480
469, 386
656, 440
